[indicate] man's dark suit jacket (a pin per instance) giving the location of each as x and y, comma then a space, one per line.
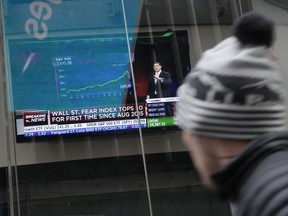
160, 88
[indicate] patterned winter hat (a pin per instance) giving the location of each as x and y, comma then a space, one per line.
235, 91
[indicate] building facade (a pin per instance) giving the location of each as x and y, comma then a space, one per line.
80, 134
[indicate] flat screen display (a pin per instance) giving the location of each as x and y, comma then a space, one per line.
84, 85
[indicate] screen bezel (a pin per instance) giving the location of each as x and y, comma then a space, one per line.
161, 55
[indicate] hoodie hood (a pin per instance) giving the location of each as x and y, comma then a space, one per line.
230, 177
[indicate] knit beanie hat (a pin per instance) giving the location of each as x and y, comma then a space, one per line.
235, 91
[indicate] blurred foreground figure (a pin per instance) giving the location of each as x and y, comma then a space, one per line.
232, 112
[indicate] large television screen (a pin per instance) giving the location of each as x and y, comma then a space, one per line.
85, 85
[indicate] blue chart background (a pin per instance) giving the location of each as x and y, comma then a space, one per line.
98, 71
86, 73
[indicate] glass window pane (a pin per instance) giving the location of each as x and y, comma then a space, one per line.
71, 99
177, 39
91, 126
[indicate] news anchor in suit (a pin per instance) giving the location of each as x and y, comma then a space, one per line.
159, 82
